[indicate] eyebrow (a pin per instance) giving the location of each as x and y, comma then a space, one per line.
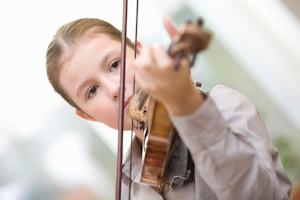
85, 82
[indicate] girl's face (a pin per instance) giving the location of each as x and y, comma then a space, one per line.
91, 78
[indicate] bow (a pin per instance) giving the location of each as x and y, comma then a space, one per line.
122, 96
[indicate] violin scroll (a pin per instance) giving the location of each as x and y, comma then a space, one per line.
190, 41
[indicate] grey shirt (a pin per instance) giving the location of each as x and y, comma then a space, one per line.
232, 153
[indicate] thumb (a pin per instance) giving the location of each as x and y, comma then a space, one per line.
170, 28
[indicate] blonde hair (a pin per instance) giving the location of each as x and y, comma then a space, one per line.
66, 37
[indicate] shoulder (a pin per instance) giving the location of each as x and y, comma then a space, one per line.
235, 107
226, 98
222, 91
239, 112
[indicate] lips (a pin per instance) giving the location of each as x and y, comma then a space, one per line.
127, 102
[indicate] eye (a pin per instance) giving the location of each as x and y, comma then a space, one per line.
114, 65
92, 91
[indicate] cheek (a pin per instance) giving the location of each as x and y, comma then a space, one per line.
105, 113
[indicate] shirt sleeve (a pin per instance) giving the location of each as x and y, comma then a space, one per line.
231, 148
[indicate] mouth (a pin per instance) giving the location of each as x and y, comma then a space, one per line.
126, 103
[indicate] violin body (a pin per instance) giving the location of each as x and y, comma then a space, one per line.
295, 194
158, 137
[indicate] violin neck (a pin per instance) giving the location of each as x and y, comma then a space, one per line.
142, 97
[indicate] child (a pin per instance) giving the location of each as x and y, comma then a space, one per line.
230, 149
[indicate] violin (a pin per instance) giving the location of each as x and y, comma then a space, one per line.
295, 193
151, 117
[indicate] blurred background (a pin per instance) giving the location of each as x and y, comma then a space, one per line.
46, 152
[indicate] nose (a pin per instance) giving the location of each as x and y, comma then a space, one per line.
114, 92
112, 89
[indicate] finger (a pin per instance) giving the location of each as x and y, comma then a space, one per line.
185, 62
144, 60
160, 56
142, 57
170, 28
143, 79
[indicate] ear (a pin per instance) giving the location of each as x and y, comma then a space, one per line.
83, 115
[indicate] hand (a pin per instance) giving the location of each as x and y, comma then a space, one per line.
155, 74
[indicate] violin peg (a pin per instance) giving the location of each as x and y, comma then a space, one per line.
198, 84
200, 21
188, 22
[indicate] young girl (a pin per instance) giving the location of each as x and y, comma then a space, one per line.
231, 153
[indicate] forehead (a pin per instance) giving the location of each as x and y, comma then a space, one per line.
91, 40
87, 52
